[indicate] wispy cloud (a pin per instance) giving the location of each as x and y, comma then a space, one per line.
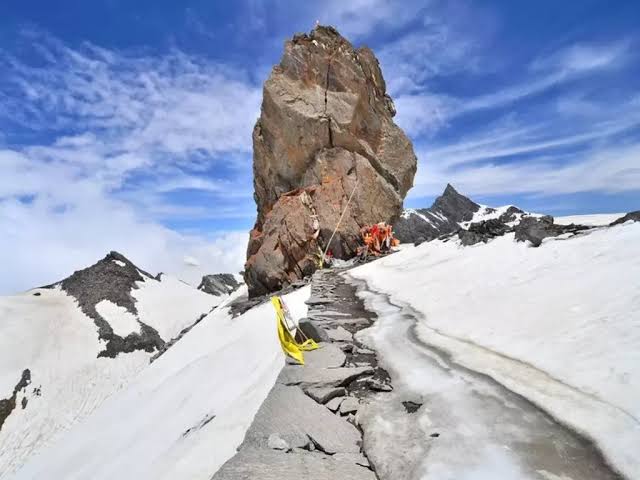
115, 134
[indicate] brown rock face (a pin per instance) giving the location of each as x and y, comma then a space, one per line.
325, 129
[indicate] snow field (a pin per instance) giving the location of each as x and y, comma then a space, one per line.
559, 324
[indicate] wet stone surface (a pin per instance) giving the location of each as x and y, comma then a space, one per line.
313, 408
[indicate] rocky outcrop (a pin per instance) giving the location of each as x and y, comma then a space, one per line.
218, 284
629, 217
7, 405
325, 135
443, 217
536, 229
113, 278
483, 231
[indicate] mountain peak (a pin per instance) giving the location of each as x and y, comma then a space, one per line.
454, 205
450, 190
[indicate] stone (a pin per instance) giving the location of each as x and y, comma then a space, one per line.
318, 301
363, 351
349, 405
631, 216
327, 356
347, 347
512, 214
325, 394
321, 377
312, 330
218, 284
483, 231
262, 464
274, 441
296, 419
378, 386
340, 335
334, 403
325, 130
536, 229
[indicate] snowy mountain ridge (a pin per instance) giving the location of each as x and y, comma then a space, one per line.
67, 347
450, 212
537, 323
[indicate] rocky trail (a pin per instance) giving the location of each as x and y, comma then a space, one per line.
308, 425
339, 416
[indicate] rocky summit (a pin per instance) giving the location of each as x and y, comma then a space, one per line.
325, 135
444, 216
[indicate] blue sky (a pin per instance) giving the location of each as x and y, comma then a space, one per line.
127, 125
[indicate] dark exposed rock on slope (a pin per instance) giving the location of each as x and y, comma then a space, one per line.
112, 278
7, 405
451, 215
441, 218
218, 284
536, 229
631, 216
325, 130
482, 231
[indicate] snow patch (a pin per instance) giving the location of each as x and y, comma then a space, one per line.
120, 263
170, 305
119, 318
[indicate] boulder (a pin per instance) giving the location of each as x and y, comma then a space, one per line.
218, 284
536, 229
325, 132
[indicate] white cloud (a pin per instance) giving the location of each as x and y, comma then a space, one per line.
359, 18
116, 134
582, 57
43, 242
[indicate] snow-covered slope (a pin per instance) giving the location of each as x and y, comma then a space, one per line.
186, 413
62, 355
593, 220
559, 324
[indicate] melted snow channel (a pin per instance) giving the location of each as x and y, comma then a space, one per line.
469, 426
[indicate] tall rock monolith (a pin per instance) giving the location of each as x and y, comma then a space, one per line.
325, 131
